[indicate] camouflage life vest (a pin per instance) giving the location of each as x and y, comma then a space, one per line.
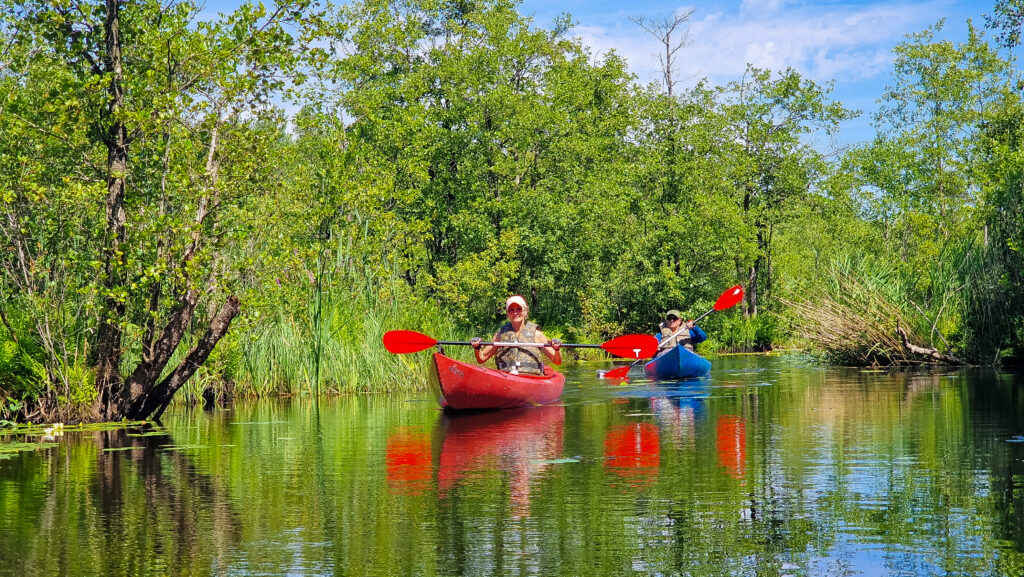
683, 338
525, 360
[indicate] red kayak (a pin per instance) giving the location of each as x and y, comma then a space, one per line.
464, 386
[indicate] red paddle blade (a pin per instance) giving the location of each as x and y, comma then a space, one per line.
401, 342
729, 298
632, 346
617, 374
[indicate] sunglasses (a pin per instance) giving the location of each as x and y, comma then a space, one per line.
671, 318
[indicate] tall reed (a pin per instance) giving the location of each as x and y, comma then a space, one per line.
331, 342
861, 303
994, 303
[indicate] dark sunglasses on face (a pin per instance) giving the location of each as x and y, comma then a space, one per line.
671, 318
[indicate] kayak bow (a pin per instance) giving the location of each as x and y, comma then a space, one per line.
463, 386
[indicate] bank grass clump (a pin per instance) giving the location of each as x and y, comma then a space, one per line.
321, 331
994, 331
343, 353
864, 314
736, 333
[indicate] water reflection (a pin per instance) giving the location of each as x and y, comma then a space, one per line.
633, 452
767, 468
731, 445
127, 504
408, 461
519, 442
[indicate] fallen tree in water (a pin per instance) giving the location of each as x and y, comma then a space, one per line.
927, 353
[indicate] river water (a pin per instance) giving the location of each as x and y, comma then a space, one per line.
773, 466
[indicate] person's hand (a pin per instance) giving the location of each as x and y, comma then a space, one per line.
555, 344
475, 342
689, 324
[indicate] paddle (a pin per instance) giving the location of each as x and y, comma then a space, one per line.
727, 299
628, 346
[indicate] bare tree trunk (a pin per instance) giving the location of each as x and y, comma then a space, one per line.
662, 29
744, 304
752, 287
107, 354
149, 368
155, 402
138, 396
7, 324
142, 384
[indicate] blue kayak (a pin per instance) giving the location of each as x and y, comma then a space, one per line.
678, 363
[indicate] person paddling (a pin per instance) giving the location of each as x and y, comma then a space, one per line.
518, 360
673, 331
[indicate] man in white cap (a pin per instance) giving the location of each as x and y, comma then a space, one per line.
518, 360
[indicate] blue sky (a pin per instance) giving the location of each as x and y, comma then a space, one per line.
847, 41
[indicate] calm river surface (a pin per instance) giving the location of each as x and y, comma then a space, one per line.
773, 466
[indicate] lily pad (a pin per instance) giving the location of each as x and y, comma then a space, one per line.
37, 429
8, 450
558, 461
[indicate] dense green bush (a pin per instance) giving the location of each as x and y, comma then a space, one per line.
21, 376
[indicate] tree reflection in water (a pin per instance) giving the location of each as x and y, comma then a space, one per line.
122, 502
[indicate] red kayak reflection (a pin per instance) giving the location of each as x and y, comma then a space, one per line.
731, 437
408, 460
633, 451
520, 442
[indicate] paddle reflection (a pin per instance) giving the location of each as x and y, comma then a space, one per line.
633, 451
731, 442
520, 442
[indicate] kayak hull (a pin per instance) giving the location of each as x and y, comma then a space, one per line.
464, 386
678, 363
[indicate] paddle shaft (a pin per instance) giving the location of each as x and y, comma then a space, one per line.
703, 315
510, 344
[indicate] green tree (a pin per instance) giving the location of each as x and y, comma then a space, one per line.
486, 142
1009, 20
151, 128
928, 172
924, 161
772, 168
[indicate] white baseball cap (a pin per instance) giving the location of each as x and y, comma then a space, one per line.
516, 299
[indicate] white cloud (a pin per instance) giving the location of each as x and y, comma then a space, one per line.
753, 7
841, 42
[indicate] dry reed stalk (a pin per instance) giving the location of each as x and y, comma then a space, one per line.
855, 323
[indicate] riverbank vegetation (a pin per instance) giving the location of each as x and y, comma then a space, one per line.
244, 203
